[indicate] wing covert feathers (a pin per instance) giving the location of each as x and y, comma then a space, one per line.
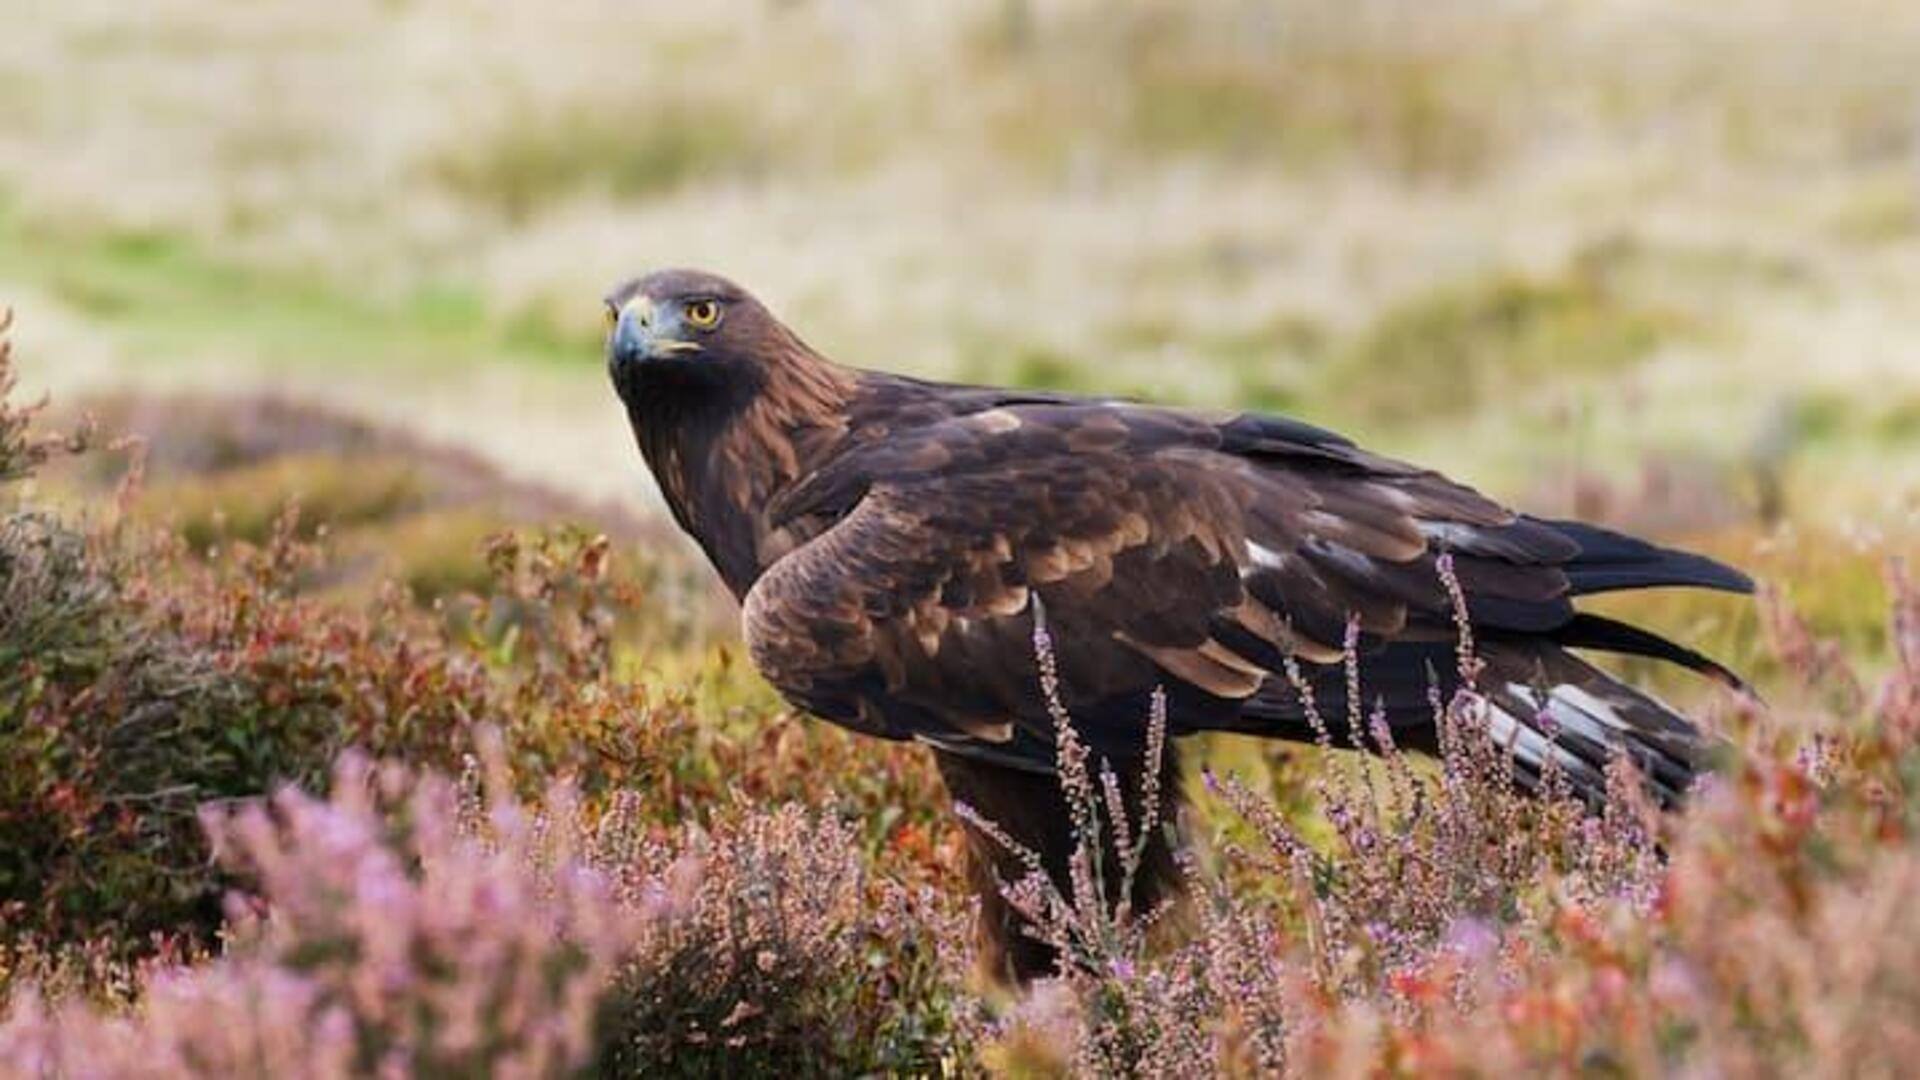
1169, 549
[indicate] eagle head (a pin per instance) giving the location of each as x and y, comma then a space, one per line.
685, 334
728, 405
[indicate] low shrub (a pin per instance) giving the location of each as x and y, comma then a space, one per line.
113, 730
412, 925
395, 939
137, 685
244, 504
1455, 928
786, 954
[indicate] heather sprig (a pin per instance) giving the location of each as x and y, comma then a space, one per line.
383, 939
1092, 923
21, 450
412, 924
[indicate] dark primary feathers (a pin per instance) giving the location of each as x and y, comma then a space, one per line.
890, 538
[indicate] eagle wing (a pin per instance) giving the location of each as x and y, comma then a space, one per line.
1165, 548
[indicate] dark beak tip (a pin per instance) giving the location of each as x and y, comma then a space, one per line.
625, 346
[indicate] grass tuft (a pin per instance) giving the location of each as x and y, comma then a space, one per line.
536, 158
1448, 352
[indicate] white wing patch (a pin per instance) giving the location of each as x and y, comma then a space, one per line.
1592, 706
1529, 745
1264, 558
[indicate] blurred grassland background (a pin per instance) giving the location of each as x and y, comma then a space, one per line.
1657, 263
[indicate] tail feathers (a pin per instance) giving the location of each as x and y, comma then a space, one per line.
1610, 561
1552, 707
1589, 631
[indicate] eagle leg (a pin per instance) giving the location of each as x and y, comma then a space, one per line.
1029, 807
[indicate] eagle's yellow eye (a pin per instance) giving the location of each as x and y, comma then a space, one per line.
612, 318
702, 314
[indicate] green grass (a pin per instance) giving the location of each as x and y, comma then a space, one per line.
628, 150
170, 298
1445, 353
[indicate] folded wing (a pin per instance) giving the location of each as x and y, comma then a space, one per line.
1166, 549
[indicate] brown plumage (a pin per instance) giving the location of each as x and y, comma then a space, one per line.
887, 538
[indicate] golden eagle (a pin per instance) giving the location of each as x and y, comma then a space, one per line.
892, 540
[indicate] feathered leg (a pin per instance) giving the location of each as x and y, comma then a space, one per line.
1031, 809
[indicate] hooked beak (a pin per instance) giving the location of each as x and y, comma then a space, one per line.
643, 333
